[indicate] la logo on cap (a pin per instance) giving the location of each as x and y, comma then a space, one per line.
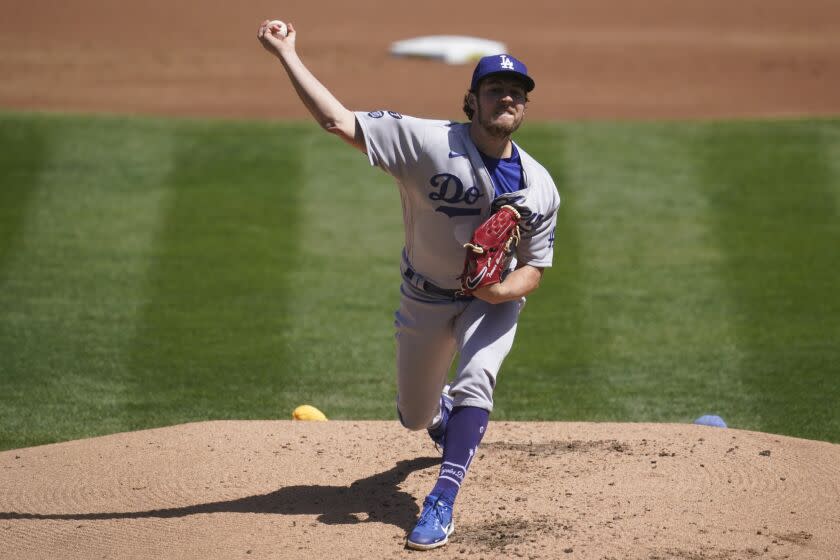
500, 64
506, 63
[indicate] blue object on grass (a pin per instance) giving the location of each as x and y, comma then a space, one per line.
711, 420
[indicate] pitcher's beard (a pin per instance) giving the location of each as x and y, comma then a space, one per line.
501, 130
497, 129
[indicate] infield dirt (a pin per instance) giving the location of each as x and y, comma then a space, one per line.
278, 489
591, 59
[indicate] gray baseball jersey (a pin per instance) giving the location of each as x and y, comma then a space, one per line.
447, 193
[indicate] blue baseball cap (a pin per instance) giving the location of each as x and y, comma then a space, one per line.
500, 64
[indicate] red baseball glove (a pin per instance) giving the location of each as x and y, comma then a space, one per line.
490, 250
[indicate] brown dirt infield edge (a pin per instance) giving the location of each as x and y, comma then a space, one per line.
590, 58
278, 489
344, 489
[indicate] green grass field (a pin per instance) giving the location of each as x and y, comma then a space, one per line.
154, 272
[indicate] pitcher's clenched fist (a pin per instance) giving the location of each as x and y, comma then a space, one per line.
276, 36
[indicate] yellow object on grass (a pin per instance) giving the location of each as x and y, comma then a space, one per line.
308, 412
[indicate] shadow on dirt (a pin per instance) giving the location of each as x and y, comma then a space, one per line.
375, 498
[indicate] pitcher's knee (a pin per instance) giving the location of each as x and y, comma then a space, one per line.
474, 386
414, 420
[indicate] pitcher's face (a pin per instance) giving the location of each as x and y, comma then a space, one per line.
500, 105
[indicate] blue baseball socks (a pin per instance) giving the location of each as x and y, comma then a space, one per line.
464, 430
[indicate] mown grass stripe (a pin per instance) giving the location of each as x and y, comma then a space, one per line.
348, 283
210, 338
24, 145
71, 288
774, 193
629, 299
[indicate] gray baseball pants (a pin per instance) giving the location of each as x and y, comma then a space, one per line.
430, 331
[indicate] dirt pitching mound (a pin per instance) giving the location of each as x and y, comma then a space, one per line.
281, 489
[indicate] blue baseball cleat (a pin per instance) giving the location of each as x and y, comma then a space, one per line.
438, 434
434, 526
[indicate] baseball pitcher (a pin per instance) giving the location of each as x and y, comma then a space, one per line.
479, 216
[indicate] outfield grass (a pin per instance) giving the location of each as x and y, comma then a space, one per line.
154, 272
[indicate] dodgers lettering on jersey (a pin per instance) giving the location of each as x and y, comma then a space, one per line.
447, 193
